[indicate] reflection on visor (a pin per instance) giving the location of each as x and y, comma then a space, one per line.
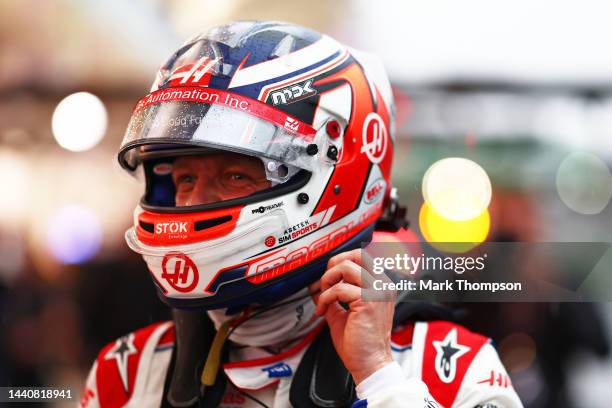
223, 98
217, 119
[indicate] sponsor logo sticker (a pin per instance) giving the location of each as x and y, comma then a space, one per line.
180, 272
198, 73
278, 370
296, 231
262, 209
162, 169
374, 137
270, 241
375, 191
448, 351
497, 378
293, 93
174, 227
292, 124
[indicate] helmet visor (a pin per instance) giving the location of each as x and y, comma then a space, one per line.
225, 121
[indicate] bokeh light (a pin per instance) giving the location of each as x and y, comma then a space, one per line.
13, 255
79, 121
584, 183
74, 234
16, 183
450, 235
457, 188
402, 236
517, 351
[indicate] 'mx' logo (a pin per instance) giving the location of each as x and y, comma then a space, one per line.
293, 93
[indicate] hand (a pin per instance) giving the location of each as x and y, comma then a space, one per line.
361, 334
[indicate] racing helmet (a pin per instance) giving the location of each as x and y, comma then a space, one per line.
320, 118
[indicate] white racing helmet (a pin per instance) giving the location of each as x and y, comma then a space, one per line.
320, 118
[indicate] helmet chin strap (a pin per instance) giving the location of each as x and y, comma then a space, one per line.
268, 326
289, 319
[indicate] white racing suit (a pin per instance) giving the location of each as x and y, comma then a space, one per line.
437, 364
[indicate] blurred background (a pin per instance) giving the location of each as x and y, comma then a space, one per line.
521, 89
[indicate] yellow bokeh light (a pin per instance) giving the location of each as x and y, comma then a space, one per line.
450, 235
457, 188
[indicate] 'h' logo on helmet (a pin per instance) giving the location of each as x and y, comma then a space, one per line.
374, 136
292, 124
180, 272
193, 74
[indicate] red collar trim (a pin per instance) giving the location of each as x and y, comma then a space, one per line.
402, 337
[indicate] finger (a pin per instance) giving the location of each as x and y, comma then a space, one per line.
336, 318
354, 255
315, 290
340, 292
361, 258
347, 271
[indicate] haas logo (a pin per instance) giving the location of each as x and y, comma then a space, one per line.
198, 73
292, 124
375, 191
293, 93
374, 137
180, 272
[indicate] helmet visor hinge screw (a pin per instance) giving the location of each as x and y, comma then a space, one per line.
312, 149
303, 198
332, 152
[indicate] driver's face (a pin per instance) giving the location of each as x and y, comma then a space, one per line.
209, 178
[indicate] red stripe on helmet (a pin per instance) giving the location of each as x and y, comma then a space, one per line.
352, 169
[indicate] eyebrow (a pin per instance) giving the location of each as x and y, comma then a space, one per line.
250, 165
178, 163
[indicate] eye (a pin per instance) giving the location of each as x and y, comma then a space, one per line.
237, 179
185, 181
237, 176
186, 178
